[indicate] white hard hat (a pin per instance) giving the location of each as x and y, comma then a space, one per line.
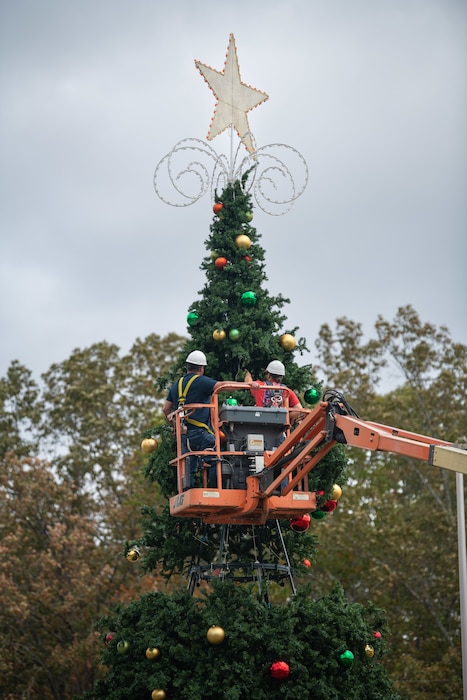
197, 358
276, 367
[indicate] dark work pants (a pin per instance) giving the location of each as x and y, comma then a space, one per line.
198, 439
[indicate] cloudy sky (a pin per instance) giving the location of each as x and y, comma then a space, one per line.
93, 93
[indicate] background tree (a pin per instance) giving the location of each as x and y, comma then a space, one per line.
64, 522
54, 581
394, 537
20, 411
97, 404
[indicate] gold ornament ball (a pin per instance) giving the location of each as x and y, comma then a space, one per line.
369, 651
336, 492
215, 635
288, 342
158, 694
219, 334
133, 554
152, 653
149, 445
243, 241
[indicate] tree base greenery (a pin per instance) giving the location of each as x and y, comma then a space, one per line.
308, 635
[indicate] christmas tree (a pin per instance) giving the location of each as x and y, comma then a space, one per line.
248, 624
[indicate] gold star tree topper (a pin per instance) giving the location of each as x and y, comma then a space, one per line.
234, 98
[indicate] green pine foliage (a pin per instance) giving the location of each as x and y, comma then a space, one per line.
241, 591
308, 635
220, 305
260, 326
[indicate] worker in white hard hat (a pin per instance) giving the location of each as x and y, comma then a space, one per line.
273, 396
195, 387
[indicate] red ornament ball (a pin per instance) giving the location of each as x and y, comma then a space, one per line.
279, 669
220, 263
109, 636
329, 506
301, 523
307, 563
217, 207
377, 634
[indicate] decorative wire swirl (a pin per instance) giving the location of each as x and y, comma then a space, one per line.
268, 176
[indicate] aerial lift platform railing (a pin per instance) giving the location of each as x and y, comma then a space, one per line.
225, 503
276, 484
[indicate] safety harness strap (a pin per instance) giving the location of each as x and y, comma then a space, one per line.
182, 394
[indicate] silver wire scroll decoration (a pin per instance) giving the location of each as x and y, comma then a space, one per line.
193, 168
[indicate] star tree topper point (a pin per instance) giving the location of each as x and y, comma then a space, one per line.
234, 98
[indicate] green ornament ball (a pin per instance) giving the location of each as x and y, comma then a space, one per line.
249, 298
234, 334
312, 396
248, 216
318, 514
192, 318
346, 658
123, 646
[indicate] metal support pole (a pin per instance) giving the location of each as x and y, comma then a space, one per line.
286, 554
231, 164
462, 573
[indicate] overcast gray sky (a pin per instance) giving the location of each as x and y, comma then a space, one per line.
95, 92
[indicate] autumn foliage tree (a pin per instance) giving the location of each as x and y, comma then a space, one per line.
64, 519
392, 540
54, 582
394, 537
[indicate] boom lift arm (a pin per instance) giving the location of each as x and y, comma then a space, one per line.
334, 421
257, 482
